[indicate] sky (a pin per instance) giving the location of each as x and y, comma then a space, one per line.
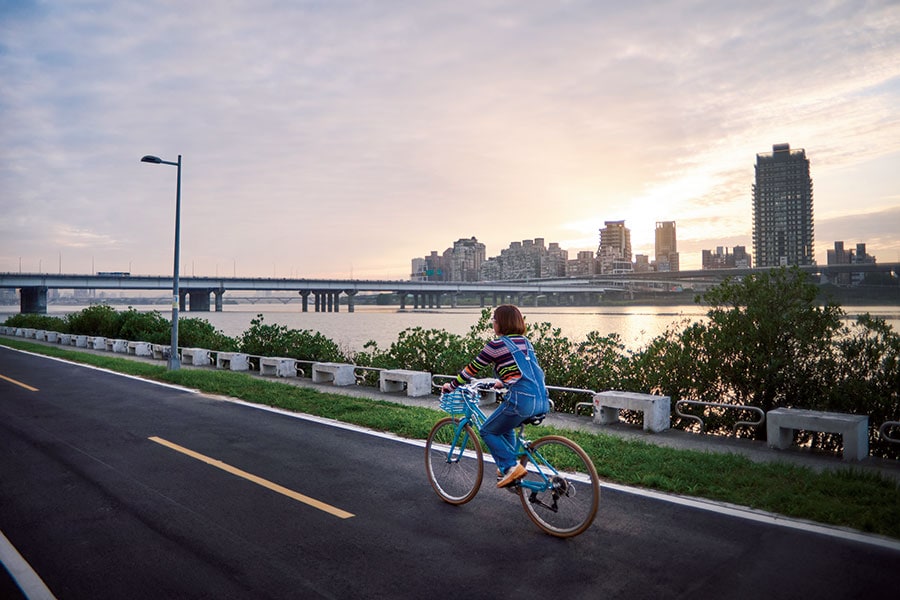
343, 138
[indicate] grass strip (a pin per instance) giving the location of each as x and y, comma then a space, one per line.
847, 497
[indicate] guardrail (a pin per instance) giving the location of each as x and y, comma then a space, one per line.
882, 431
754, 409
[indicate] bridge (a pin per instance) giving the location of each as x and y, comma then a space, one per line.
194, 292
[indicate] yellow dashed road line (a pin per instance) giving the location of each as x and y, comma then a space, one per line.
20, 384
257, 480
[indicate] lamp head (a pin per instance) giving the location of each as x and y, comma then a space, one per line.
152, 159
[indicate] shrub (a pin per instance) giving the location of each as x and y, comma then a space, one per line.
97, 319
34, 321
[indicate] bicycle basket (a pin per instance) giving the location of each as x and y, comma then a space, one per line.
453, 402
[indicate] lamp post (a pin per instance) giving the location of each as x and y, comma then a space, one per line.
174, 359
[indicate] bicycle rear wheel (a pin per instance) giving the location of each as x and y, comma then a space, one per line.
569, 504
455, 465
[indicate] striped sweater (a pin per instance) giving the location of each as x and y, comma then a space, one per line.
494, 353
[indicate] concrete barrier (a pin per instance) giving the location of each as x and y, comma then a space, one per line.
337, 373
657, 409
233, 361
417, 383
278, 367
140, 349
854, 429
199, 357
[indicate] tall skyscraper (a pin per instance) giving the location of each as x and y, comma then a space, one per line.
666, 246
782, 208
614, 252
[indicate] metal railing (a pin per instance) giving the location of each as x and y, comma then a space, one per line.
754, 409
883, 431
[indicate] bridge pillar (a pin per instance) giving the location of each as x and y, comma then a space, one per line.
199, 300
454, 301
219, 294
33, 300
335, 299
437, 300
350, 294
481, 298
304, 295
402, 300
182, 299
415, 300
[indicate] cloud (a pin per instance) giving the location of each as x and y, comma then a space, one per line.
318, 135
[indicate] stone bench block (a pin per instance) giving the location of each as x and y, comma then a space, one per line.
117, 346
96, 342
52, 337
140, 349
278, 367
417, 383
199, 357
159, 351
337, 373
657, 409
854, 429
65, 339
233, 361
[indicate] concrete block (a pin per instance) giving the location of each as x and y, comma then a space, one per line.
417, 383
337, 373
199, 357
233, 361
854, 429
140, 349
278, 367
657, 409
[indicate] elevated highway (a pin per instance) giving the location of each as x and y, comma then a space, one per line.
326, 292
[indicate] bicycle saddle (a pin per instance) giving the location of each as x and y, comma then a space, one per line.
535, 420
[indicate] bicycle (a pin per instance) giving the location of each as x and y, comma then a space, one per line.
561, 490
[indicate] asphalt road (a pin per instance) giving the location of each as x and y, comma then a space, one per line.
112, 487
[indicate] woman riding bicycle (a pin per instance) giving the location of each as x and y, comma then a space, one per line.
515, 364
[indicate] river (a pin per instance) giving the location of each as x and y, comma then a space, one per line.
636, 325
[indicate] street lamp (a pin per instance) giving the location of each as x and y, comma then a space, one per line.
174, 359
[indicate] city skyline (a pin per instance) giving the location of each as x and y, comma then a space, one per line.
339, 140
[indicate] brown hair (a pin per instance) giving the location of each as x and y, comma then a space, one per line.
509, 320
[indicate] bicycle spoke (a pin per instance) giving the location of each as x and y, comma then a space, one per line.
562, 499
454, 461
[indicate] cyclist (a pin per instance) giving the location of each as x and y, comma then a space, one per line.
517, 368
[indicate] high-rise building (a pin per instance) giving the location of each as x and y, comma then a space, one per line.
464, 260
666, 246
615, 247
783, 208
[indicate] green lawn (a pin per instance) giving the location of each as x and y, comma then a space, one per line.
847, 497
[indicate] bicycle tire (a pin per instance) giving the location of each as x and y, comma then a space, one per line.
569, 507
454, 477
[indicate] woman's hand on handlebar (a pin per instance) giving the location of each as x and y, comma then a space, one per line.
446, 388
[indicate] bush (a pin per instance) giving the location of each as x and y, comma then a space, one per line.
199, 333
33, 321
145, 327
277, 340
97, 319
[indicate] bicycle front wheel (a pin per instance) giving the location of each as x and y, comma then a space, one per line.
563, 494
454, 461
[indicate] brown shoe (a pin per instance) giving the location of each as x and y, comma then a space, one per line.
515, 472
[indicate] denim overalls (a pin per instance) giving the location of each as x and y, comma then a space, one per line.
527, 397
